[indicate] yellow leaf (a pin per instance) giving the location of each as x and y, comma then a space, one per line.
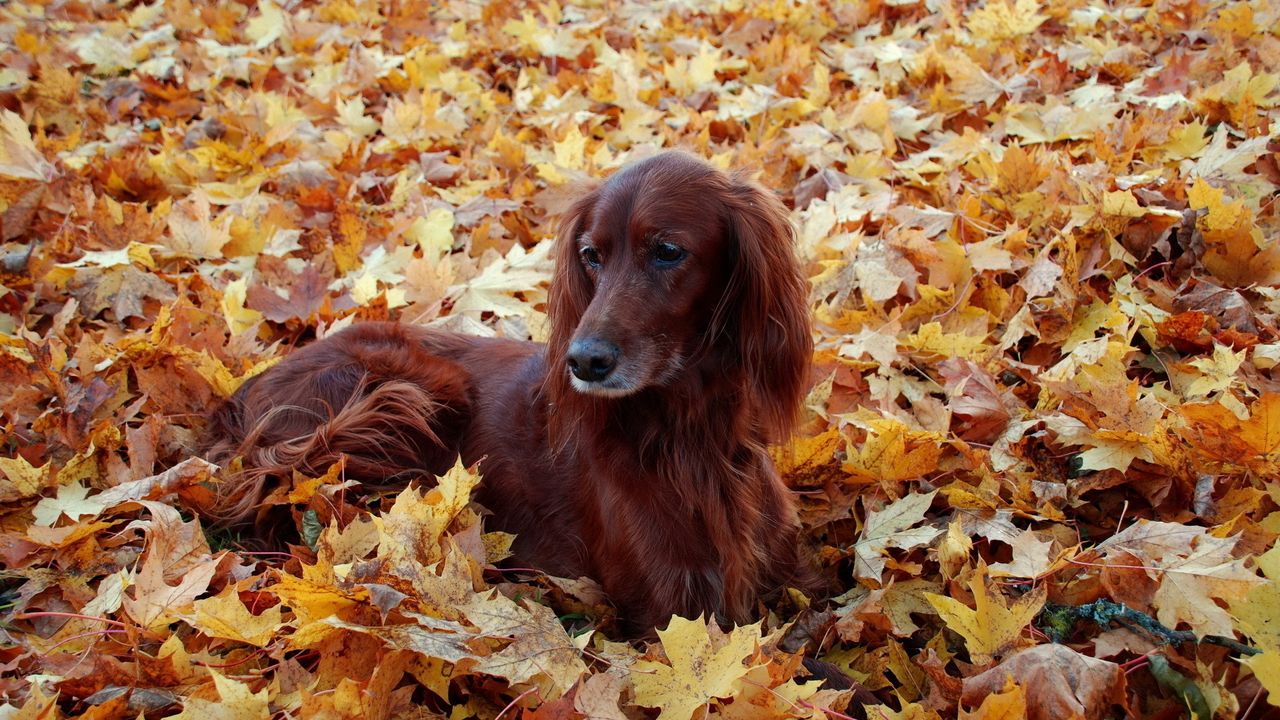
225, 616
414, 527
69, 501
811, 459
931, 339
571, 151
1121, 203
1267, 667
312, 603
267, 26
349, 234
993, 627
1216, 431
1259, 612
909, 711
192, 230
1259, 618
239, 318
884, 456
892, 526
1236, 251
1186, 141
155, 603
21, 478
236, 702
1011, 704
1003, 20
351, 115
705, 664
1219, 371
434, 233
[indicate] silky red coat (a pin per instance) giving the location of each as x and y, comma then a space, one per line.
654, 480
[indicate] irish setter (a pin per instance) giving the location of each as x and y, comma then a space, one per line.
630, 448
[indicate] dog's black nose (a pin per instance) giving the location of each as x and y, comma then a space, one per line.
592, 360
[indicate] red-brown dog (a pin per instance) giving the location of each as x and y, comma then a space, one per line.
632, 446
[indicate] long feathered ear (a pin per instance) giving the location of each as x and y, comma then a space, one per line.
571, 289
771, 329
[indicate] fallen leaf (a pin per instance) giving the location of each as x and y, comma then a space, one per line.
893, 526
704, 665
1058, 682
993, 627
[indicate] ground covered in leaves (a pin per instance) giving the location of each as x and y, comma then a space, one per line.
1043, 249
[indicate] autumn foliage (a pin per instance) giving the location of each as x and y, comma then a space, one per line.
1040, 457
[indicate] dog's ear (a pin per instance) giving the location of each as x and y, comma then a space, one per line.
571, 288
769, 310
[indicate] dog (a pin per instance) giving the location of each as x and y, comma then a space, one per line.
632, 446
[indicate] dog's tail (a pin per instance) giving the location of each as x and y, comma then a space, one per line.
387, 409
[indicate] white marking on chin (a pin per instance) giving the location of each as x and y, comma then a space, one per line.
610, 388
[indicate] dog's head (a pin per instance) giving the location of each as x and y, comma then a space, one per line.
670, 264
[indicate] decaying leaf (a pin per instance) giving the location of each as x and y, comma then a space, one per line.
1057, 682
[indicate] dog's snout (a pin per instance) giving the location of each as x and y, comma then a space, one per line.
592, 360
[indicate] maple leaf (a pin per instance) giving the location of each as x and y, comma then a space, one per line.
544, 38
69, 501
1237, 253
1030, 557
314, 604
192, 230
427, 636
884, 455
1259, 616
235, 702
494, 288
1010, 703
540, 649
892, 526
412, 529
267, 26
1219, 372
893, 604
1217, 432
302, 297
122, 289
22, 479
434, 233
811, 461
1057, 681
1259, 611
1194, 569
154, 603
1002, 19
993, 627
239, 318
767, 691
704, 664
225, 616
19, 157
598, 697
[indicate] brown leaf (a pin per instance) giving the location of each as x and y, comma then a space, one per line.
304, 295
975, 399
122, 289
1059, 682
1230, 307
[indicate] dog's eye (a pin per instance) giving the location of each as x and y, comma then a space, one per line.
590, 256
666, 254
